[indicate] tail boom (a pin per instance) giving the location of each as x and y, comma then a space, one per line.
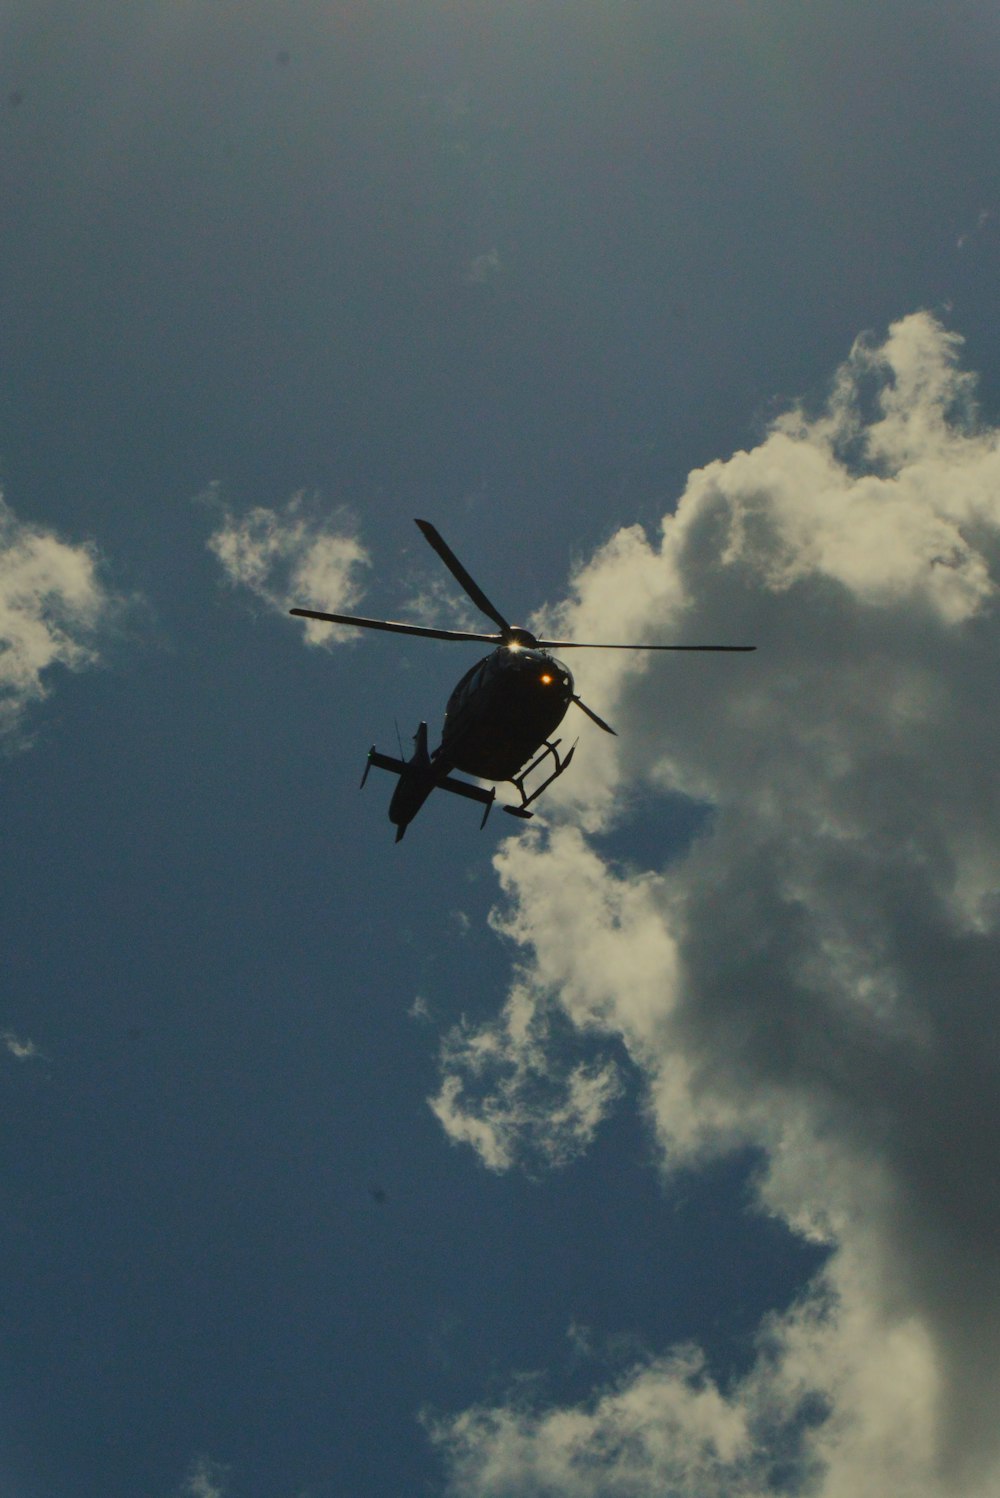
417, 778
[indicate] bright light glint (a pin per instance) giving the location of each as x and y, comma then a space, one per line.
547, 679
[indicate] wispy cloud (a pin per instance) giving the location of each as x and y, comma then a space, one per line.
503, 1092
986, 216
24, 1050
53, 604
817, 977
296, 556
436, 602
484, 269
205, 1479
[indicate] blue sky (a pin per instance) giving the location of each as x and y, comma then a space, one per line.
647, 1150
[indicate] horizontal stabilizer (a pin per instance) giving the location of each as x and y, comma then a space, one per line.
472, 793
463, 788
382, 762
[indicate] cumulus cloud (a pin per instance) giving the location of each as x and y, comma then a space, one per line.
296, 556
53, 603
664, 1429
818, 976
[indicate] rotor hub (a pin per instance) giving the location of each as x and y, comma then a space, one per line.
522, 638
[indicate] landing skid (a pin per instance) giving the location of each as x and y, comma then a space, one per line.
551, 749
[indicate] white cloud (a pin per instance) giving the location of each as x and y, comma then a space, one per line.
24, 1050
435, 602
819, 975
612, 1447
809, 1417
503, 1093
52, 605
294, 557
205, 1479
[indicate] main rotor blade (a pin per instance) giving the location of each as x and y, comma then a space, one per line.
462, 577
583, 645
397, 628
592, 715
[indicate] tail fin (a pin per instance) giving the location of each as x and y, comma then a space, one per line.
382, 762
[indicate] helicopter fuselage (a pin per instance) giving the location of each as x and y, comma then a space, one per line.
503, 709
498, 718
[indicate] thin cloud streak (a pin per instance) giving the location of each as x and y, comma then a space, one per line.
817, 977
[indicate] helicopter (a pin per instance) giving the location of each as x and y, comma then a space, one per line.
500, 718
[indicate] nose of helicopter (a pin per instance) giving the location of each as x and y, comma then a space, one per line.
546, 671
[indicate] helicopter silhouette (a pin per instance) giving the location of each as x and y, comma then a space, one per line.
499, 718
